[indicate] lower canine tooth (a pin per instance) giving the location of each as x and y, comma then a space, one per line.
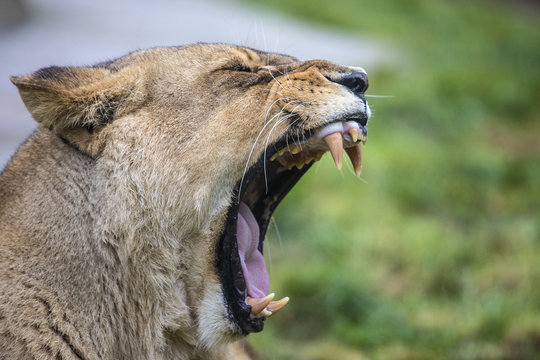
258, 305
275, 306
335, 143
266, 313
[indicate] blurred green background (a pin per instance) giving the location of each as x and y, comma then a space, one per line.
435, 252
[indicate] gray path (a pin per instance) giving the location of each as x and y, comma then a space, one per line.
65, 32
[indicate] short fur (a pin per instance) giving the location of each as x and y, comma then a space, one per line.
111, 211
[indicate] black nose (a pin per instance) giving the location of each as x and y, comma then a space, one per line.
357, 82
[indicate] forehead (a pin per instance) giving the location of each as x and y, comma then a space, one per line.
216, 55
257, 56
200, 54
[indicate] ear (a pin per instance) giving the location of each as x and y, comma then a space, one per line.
78, 102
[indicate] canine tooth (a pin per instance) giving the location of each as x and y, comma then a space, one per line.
355, 154
355, 134
275, 306
335, 143
265, 313
258, 305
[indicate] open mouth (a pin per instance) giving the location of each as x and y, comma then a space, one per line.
240, 260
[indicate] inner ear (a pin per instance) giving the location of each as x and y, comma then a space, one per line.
78, 102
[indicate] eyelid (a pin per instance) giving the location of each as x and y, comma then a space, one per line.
273, 70
240, 68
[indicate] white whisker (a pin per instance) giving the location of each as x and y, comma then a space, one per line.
287, 131
292, 86
292, 113
278, 235
363, 180
269, 255
273, 77
266, 147
277, 92
256, 140
264, 37
350, 167
273, 103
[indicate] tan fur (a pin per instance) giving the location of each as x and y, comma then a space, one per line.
111, 211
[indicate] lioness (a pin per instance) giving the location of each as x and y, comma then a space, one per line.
132, 221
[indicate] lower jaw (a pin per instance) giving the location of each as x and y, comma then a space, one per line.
229, 266
262, 195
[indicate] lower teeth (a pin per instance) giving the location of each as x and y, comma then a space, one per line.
265, 306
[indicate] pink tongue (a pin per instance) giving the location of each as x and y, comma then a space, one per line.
252, 260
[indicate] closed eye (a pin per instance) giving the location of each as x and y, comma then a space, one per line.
240, 68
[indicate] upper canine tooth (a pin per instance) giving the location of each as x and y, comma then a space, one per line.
355, 154
355, 134
335, 143
258, 305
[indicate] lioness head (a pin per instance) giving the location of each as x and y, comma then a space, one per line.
192, 149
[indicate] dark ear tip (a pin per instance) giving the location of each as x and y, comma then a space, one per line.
20, 81
25, 82
15, 80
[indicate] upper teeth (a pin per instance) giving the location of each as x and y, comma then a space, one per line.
331, 138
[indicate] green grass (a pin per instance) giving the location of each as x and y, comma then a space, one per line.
435, 253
